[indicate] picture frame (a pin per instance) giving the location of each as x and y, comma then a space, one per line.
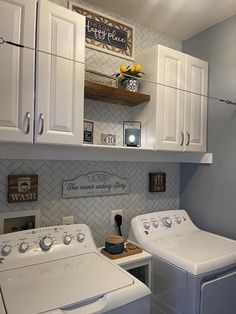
105, 33
88, 131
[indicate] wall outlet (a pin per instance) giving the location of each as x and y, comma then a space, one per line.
114, 213
69, 220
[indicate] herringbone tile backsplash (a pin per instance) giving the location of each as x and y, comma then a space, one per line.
94, 211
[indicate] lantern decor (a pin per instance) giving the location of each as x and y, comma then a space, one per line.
132, 133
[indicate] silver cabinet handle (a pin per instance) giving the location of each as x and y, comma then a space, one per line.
182, 139
41, 117
28, 122
188, 139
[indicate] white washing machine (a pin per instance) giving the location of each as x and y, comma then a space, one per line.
193, 271
58, 270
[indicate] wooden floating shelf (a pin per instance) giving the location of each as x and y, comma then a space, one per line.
113, 95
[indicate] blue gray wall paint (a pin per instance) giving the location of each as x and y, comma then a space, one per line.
209, 192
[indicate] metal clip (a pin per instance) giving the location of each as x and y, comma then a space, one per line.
2, 41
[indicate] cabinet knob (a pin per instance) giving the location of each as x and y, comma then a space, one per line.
182, 139
41, 118
188, 139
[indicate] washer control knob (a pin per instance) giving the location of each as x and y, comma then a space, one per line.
46, 243
67, 239
80, 237
23, 247
155, 223
167, 222
178, 220
6, 250
146, 225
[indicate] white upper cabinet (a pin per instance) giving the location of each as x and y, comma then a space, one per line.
59, 81
195, 105
17, 24
174, 120
170, 109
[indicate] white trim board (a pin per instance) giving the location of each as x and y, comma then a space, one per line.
98, 153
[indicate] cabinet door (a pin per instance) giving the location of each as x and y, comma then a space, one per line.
59, 81
195, 105
170, 103
17, 24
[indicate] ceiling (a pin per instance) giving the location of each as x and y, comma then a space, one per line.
177, 18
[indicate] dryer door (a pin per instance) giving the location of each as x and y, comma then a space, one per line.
218, 295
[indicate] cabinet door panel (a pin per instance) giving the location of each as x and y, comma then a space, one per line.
195, 105
17, 24
60, 82
170, 105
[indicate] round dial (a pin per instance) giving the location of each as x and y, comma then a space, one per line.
80, 237
155, 223
46, 243
167, 222
6, 250
177, 220
23, 247
67, 239
146, 225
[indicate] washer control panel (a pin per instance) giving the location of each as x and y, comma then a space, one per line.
160, 224
44, 244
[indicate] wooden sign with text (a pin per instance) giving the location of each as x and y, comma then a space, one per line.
106, 34
22, 188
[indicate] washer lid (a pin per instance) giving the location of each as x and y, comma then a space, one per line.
60, 283
196, 252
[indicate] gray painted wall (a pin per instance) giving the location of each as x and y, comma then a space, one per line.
209, 192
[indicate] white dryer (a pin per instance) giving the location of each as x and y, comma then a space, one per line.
58, 270
193, 271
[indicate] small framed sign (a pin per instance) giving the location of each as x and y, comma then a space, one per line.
108, 139
88, 131
157, 182
105, 33
22, 188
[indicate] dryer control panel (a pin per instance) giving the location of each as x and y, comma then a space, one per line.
44, 244
159, 225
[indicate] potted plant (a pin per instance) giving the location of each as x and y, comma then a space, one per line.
129, 77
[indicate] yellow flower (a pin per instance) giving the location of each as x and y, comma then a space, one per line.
122, 68
133, 69
137, 68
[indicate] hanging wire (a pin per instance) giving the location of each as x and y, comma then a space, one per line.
3, 41
227, 101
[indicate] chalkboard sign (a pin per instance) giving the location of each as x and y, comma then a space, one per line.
106, 34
